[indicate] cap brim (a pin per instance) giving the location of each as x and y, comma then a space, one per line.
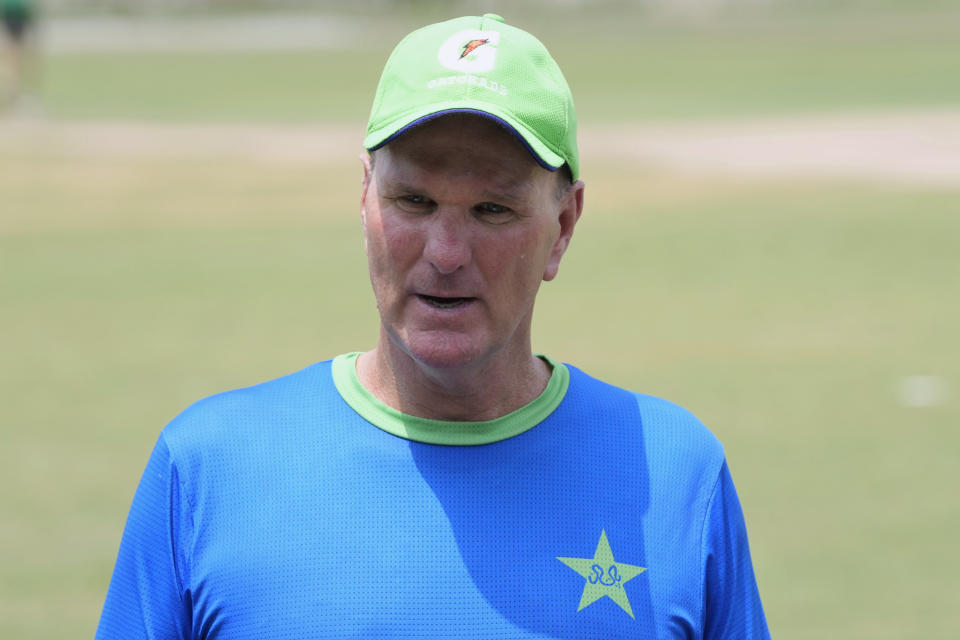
385, 134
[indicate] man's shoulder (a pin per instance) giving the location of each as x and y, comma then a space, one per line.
661, 423
229, 413
677, 426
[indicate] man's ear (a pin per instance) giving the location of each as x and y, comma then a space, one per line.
367, 163
570, 209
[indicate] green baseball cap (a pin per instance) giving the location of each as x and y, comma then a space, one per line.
478, 65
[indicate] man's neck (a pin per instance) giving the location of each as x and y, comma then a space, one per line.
475, 392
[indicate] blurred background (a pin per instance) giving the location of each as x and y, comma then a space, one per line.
771, 238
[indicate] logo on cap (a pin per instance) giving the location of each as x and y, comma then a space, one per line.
465, 51
470, 46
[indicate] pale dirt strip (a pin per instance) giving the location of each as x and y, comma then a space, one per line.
918, 148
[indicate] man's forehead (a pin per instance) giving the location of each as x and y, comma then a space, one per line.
462, 140
413, 176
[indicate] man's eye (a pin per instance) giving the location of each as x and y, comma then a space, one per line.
413, 202
494, 212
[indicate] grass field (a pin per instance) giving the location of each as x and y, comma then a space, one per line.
622, 65
783, 312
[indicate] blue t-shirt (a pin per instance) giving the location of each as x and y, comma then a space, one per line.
305, 508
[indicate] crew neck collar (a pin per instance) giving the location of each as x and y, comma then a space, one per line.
443, 432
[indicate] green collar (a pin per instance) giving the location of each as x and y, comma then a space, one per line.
442, 431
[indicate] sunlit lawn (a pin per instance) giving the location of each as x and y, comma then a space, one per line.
783, 313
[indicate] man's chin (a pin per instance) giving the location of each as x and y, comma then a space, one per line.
443, 350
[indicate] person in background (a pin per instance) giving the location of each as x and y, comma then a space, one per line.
18, 17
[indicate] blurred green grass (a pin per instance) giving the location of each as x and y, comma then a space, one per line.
622, 64
782, 312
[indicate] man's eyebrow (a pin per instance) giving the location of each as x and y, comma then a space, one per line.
512, 191
394, 184
503, 195
512, 187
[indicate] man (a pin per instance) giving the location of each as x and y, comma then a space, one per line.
448, 483
17, 17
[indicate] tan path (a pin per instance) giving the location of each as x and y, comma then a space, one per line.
920, 148
294, 143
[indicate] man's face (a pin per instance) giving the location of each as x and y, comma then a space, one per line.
461, 226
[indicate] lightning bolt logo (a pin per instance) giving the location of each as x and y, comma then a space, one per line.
472, 46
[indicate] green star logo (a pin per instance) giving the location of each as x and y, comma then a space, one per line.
604, 576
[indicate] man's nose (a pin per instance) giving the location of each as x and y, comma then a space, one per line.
448, 246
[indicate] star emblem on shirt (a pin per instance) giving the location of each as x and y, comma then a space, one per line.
604, 576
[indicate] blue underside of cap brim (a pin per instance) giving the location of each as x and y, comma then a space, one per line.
506, 125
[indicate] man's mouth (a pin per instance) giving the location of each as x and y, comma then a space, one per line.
444, 302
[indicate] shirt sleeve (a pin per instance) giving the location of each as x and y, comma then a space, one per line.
732, 600
146, 597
